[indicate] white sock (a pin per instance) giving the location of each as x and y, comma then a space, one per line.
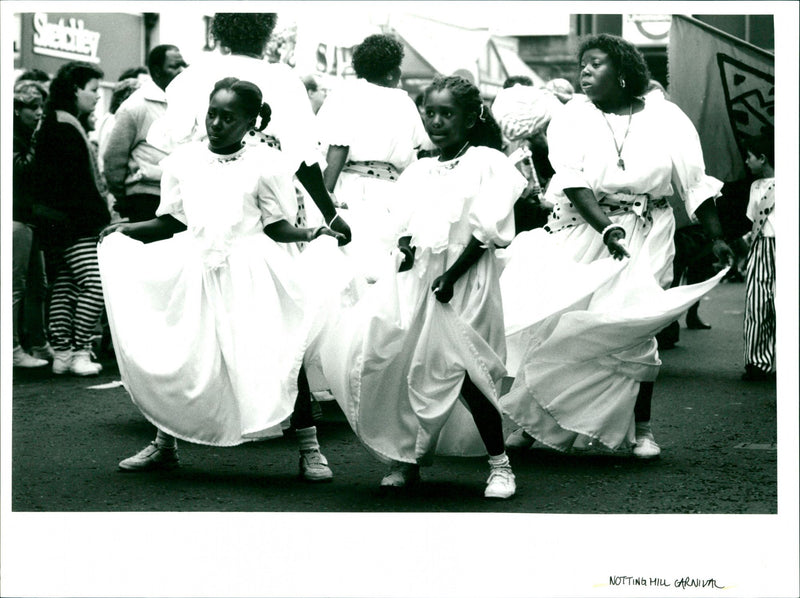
307, 439
164, 440
500, 460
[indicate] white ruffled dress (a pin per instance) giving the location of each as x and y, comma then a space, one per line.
579, 355
210, 326
379, 125
396, 359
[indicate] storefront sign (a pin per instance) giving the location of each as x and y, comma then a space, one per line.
65, 39
646, 30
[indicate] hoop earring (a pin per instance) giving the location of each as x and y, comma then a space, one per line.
622, 83
482, 115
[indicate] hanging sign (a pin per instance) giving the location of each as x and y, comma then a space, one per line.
66, 38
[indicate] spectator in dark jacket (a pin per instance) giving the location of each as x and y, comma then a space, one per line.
29, 282
71, 208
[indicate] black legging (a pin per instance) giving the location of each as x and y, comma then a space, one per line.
641, 410
487, 417
302, 416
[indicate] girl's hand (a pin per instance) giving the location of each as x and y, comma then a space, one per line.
724, 254
314, 233
408, 258
111, 228
616, 244
443, 288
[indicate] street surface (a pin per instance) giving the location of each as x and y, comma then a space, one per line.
718, 436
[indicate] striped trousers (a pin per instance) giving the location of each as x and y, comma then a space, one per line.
76, 302
759, 307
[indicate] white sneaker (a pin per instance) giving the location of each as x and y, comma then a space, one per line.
24, 360
646, 448
151, 457
501, 483
82, 365
314, 466
45, 352
519, 439
401, 475
62, 361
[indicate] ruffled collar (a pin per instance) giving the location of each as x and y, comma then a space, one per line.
215, 158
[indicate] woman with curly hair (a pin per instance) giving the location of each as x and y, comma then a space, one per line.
243, 41
586, 376
372, 131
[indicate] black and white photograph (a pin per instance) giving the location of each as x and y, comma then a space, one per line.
399, 299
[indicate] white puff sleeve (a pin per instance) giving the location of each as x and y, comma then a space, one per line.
292, 120
500, 185
276, 197
337, 117
171, 199
689, 176
567, 145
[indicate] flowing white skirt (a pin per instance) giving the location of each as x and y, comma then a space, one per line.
209, 355
579, 356
396, 360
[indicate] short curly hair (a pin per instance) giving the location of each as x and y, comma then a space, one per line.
628, 61
377, 56
243, 31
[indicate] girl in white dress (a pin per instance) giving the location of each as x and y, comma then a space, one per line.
371, 132
587, 375
210, 325
417, 362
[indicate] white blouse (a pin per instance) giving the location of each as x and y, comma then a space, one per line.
442, 205
222, 199
376, 123
661, 152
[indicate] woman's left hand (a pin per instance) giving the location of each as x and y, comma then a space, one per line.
442, 287
724, 254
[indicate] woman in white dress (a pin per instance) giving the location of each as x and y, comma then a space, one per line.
587, 375
243, 39
210, 325
371, 131
416, 363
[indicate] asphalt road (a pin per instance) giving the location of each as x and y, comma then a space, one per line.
718, 436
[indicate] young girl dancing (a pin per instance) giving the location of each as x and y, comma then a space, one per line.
417, 362
209, 325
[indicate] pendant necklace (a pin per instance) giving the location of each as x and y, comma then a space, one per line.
620, 161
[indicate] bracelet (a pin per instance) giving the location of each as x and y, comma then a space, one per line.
334, 218
609, 228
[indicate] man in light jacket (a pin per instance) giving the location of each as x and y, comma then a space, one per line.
131, 165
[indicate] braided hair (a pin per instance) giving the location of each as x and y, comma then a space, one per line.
486, 131
250, 99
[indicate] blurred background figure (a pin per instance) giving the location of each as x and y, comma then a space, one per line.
37, 75
131, 164
316, 93
29, 283
561, 88
523, 113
